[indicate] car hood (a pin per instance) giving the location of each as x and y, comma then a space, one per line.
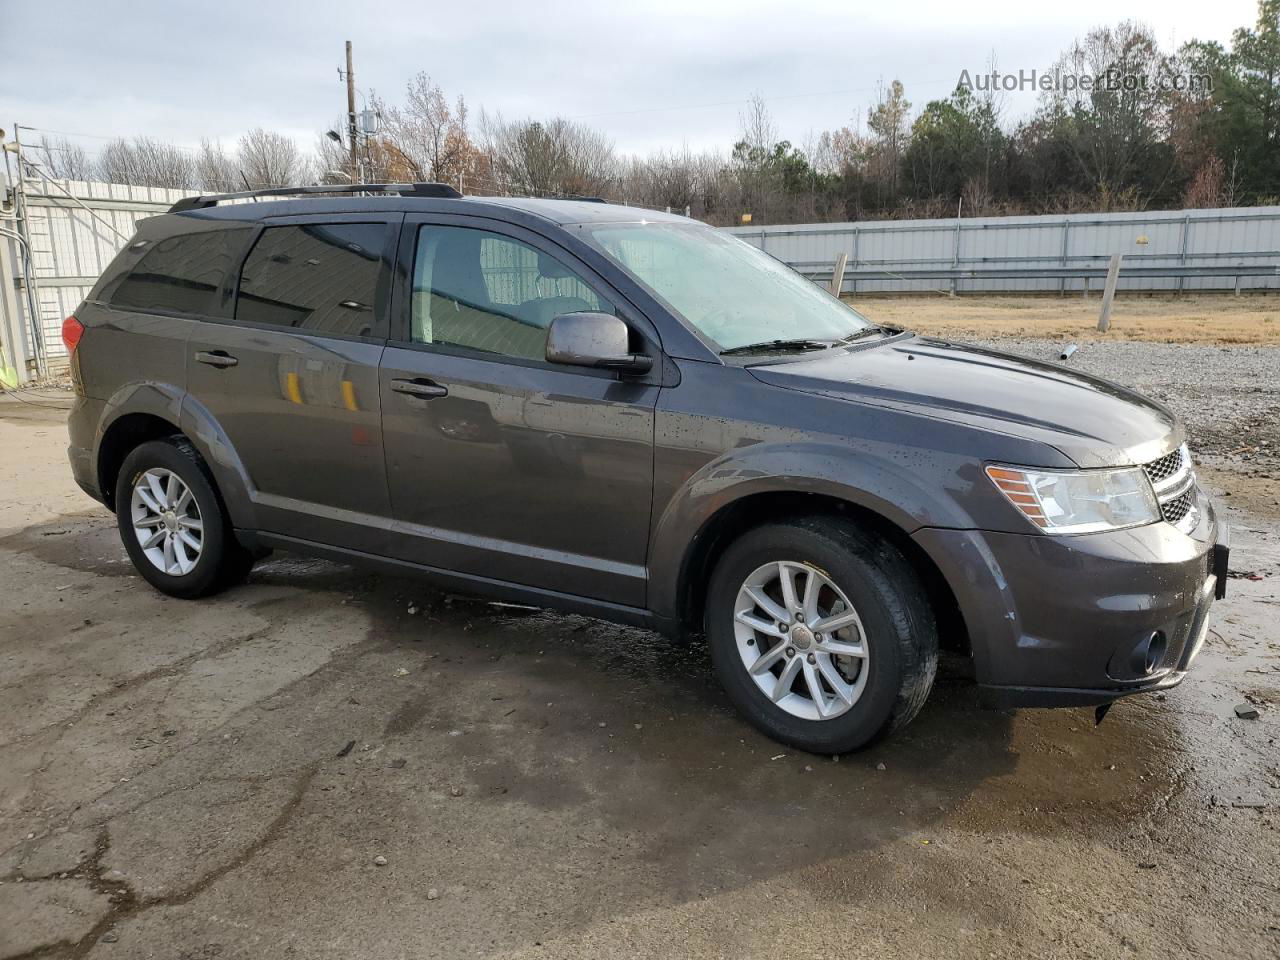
1092, 421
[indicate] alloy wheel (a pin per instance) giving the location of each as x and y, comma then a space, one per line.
166, 520
801, 640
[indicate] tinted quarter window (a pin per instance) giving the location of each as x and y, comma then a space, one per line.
180, 274
473, 288
318, 277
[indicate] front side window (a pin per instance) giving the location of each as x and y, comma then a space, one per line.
181, 274
314, 277
731, 292
485, 291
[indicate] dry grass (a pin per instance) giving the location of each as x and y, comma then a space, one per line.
1253, 319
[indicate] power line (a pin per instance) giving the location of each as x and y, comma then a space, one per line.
739, 101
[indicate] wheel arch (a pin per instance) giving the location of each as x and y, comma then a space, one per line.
140, 412
125, 434
757, 509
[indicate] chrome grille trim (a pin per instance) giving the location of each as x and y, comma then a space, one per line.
1176, 508
1174, 482
1165, 467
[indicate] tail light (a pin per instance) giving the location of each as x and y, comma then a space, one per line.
72, 331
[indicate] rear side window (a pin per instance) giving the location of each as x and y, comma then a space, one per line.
181, 274
318, 277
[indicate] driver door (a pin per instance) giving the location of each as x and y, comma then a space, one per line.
501, 465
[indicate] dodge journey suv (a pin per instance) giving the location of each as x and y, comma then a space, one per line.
634, 416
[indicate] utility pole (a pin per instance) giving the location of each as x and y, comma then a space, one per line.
356, 175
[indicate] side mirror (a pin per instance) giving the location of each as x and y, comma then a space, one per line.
598, 340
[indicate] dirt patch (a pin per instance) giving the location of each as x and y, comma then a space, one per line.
1253, 319
1256, 492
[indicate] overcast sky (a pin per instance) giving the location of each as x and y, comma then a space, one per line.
647, 73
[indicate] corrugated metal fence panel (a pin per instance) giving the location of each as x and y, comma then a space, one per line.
1229, 236
71, 244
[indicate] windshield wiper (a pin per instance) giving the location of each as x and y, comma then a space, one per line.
870, 331
779, 346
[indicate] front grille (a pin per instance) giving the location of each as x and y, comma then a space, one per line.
1175, 485
1178, 507
1160, 470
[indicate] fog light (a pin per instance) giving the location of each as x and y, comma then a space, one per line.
1148, 655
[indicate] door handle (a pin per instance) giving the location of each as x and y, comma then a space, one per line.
216, 358
421, 388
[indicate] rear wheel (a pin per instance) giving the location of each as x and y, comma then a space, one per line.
821, 633
172, 521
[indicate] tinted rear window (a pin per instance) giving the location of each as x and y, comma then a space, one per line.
318, 277
181, 274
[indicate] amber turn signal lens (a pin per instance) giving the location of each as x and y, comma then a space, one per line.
1016, 487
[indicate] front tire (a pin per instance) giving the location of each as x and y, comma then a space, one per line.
173, 524
821, 633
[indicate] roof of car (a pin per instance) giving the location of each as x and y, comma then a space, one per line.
559, 211
576, 211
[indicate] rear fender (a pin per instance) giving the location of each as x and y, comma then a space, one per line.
162, 401
189, 417
208, 437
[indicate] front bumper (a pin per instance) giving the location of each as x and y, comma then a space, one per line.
1074, 621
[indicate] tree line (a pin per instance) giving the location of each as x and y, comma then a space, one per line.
1146, 129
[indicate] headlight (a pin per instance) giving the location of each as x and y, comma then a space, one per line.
1079, 501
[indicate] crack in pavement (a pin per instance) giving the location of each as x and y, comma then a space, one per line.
172, 669
125, 904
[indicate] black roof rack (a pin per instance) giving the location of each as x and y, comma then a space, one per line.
439, 190
584, 199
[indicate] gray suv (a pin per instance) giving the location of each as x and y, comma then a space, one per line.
634, 416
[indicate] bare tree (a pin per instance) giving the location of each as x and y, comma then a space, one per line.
216, 171
758, 129
677, 179
888, 122
64, 160
556, 157
752, 156
145, 162
429, 133
1114, 127
270, 159
1208, 186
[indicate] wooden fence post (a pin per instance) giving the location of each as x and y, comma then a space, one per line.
1109, 293
837, 275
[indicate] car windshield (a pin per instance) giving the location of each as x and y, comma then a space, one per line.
733, 293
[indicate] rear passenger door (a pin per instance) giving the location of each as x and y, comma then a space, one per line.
501, 465
169, 277
292, 377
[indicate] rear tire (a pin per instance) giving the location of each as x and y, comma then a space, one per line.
173, 524
867, 668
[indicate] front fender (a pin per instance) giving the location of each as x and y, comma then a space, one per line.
894, 489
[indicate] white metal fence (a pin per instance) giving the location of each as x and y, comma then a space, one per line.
74, 228
1222, 249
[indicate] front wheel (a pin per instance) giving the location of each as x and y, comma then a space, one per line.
173, 524
821, 633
